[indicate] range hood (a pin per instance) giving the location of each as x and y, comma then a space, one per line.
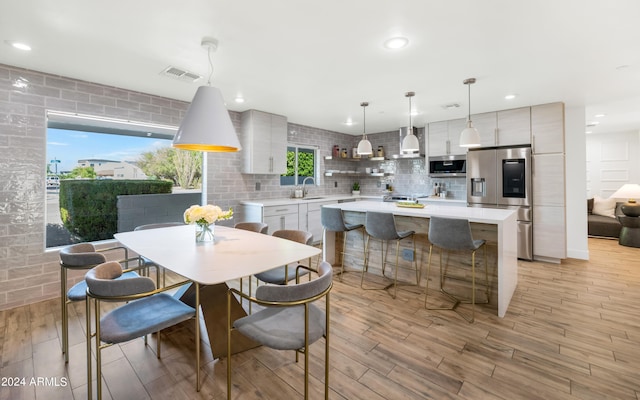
404, 131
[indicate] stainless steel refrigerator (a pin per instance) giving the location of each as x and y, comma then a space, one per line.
500, 177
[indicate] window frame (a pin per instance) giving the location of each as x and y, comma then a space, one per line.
296, 179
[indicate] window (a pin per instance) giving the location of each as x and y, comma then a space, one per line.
85, 147
302, 162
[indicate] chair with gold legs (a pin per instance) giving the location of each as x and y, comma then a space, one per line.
148, 263
81, 256
333, 221
382, 226
453, 234
147, 310
289, 320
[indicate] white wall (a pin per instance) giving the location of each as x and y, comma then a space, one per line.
613, 159
576, 183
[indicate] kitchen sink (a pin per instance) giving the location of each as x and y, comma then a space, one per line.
313, 198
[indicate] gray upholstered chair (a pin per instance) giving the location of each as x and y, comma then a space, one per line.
382, 226
453, 234
333, 221
81, 256
282, 275
147, 310
289, 320
148, 263
259, 227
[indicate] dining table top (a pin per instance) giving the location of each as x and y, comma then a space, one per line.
234, 253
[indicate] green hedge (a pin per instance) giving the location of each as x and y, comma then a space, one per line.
88, 208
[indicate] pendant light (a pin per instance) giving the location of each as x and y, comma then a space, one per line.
206, 125
364, 146
410, 142
469, 137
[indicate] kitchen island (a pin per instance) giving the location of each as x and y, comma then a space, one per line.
497, 226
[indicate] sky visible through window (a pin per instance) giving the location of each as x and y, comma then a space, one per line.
70, 146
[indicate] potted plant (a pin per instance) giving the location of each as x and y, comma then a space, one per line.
355, 189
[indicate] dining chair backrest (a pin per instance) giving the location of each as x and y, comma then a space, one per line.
80, 255
300, 291
259, 227
103, 281
303, 237
451, 233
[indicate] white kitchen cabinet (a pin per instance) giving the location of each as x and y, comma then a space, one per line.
547, 128
504, 128
264, 143
487, 125
444, 137
514, 127
280, 217
549, 199
309, 218
549, 233
548, 176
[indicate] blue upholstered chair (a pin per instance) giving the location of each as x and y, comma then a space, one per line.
81, 256
147, 310
289, 320
450, 234
282, 275
382, 226
333, 221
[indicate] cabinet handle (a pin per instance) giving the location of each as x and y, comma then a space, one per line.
448, 146
496, 136
282, 209
282, 222
270, 164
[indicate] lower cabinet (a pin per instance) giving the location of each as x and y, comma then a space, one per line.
280, 217
309, 218
549, 233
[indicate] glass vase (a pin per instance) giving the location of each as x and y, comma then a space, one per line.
204, 233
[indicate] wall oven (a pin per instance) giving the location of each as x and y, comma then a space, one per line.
447, 166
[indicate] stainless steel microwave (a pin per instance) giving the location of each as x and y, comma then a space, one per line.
447, 166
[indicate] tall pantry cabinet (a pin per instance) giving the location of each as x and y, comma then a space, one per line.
548, 174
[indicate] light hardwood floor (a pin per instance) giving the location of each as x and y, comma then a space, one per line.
572, 332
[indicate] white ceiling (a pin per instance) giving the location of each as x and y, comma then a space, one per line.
315, 61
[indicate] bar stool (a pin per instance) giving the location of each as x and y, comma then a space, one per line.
455, 234
333, 221
382, 226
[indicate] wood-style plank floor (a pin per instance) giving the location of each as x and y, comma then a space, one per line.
572, 332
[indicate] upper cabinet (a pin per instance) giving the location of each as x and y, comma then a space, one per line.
264, 143
504, 128
444, 137
547, 128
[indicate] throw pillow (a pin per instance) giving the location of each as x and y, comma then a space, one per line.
605, 207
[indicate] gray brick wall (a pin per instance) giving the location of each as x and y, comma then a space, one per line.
29, 273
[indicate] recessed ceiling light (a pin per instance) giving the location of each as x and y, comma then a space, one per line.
588, 132
239, 99
414, 112
18, 45
349, 122
600, 115
397, 42
592, 123
510, 97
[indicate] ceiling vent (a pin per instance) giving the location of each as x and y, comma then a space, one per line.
180, 74
451, 106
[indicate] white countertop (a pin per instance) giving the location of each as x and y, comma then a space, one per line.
337, 197
309, 199
473, 214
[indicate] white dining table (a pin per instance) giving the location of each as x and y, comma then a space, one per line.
233, 254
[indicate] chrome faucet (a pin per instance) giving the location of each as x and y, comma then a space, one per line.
304, 183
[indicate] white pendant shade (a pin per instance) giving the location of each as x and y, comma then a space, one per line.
410, 142
206, 125
469, 137
364, 147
